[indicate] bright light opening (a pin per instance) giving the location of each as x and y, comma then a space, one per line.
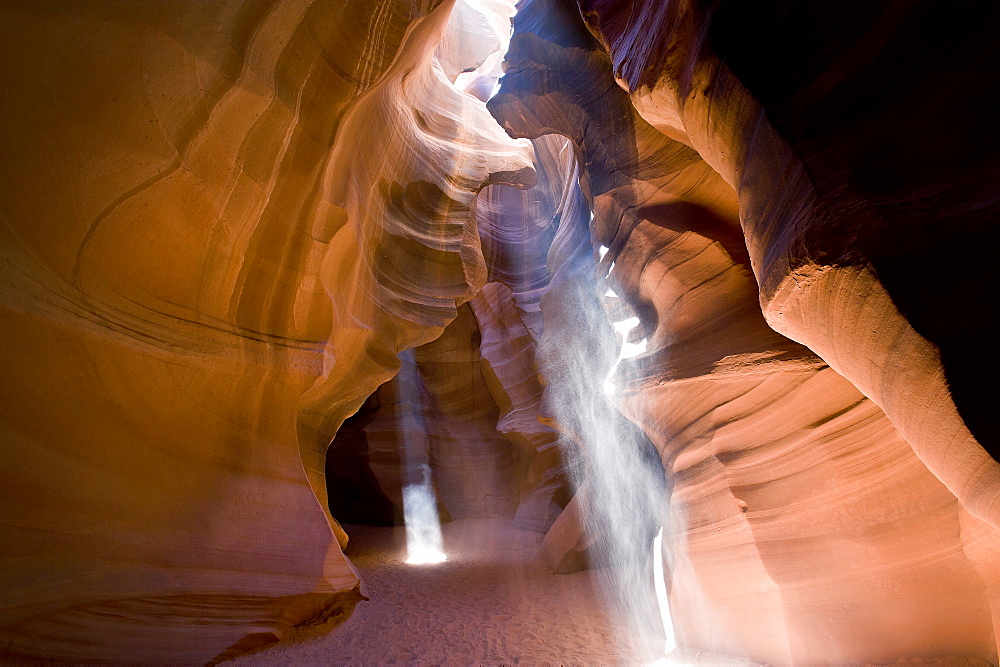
628, 351
625, 326
487, 75
496, 89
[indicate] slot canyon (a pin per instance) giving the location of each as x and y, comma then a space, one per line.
498, 331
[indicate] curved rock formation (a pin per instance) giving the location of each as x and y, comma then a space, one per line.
747, 246
793, 493
409, 253
180, 188
827, 153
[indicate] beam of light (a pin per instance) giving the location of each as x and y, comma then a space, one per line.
623, 475
615, 470
659, 583
423, 528
669, 642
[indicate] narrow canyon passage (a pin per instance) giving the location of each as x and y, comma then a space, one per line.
491, 602
499, 331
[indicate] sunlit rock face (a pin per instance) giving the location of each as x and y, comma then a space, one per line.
190, 246
813, 514
864, 190
257, 255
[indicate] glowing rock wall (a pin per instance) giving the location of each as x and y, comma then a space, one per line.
813, 515
185, 223
223, 222
845, 207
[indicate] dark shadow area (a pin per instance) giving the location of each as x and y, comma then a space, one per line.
353, 492
949, 295
893, 109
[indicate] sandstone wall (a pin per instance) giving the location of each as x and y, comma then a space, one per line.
223, 223
186, 229
810, 517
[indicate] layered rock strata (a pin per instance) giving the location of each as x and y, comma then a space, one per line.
407, 253
801, 516
187, 226
225, 224
859, 225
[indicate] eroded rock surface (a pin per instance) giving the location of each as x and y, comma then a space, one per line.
859, 226
439, 410
182, 204
229, 227
793, 491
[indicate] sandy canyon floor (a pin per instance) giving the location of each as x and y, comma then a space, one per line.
492, 602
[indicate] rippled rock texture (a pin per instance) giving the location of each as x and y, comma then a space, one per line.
201, 279
829, 500
252, 250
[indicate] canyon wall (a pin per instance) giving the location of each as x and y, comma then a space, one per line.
190, 246
224, 224
828, 502
864, 189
